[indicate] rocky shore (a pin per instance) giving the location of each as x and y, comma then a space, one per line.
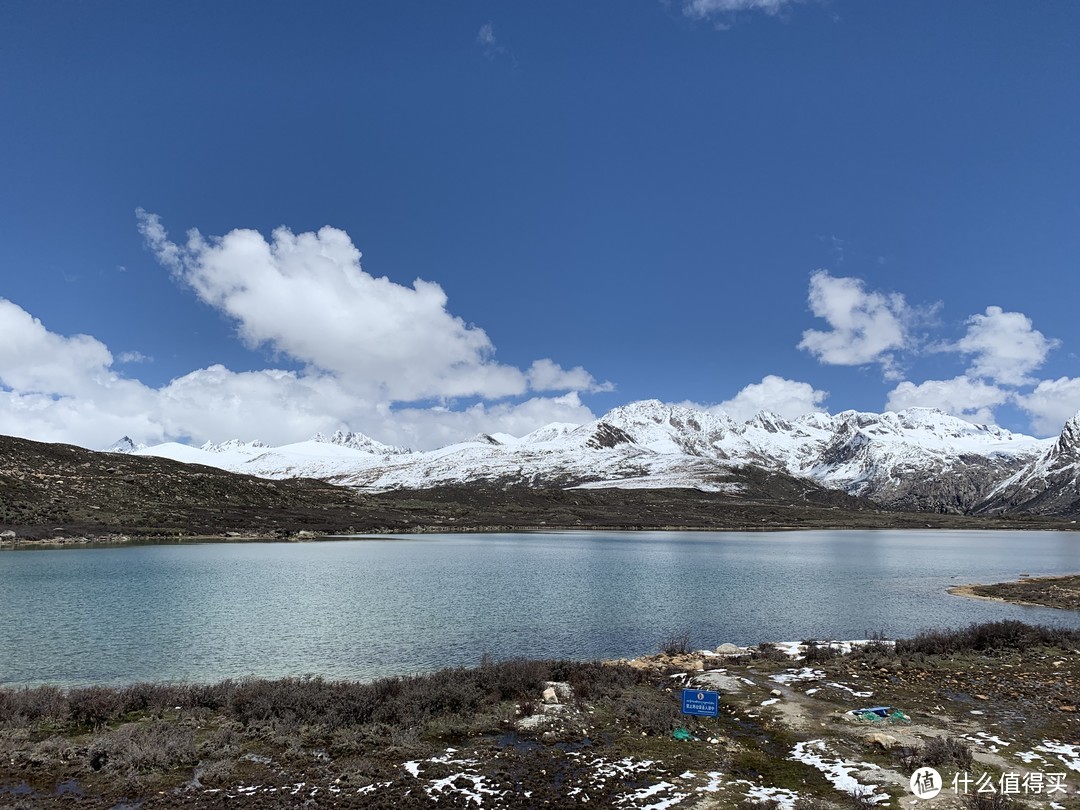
993, 702
1062, 592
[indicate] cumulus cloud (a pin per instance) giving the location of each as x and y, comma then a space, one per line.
1004, 347
307, 296
34, 360
962, 396
1051, 404
723, 12
787, 398
371, 349
65, 388
54, 385
866, 327
546, 375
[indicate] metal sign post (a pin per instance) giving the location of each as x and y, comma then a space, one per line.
700, 703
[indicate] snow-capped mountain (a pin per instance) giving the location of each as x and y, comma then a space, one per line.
1048, 485
234, 446
124, 445
920, 459
358, 441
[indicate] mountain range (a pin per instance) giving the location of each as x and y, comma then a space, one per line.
917, 459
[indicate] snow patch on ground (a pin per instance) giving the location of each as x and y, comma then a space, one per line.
1069, 755
716, 780
988, 741
792, 675
783, 797
796, 650
468, 784
817, 755
642, 794
1027, 757
847, 688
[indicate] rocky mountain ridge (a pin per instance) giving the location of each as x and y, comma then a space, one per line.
1047, 485
917, 459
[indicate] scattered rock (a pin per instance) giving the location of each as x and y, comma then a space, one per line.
776, 693
886, 742
687, 663
549, 695
731, 649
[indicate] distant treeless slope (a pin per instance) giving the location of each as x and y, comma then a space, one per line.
51, 490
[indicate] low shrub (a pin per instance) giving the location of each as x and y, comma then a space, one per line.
595, 681
143, 748
93, 705
654, 713
676, 644
769, 652
938, 752
19, 706
988, 637
819, 651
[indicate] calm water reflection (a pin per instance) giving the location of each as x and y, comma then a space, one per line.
364, 608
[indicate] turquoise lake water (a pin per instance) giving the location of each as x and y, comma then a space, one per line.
395, 605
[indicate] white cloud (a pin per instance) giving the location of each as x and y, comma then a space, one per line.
866, 327
33, 359
727, 9
706, 8
486, 36
435, 427
1005, 347
546, 375
787, 398
367, 343
307, 296
134, 357
58, 388
1051, 404
84, 420
961, 396
487, 40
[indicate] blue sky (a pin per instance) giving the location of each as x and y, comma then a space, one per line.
735, 203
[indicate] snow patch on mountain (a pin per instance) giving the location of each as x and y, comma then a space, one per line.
917, 458
124, 445
358, 441
1048, 484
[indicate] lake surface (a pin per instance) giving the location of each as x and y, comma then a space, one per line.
396, 605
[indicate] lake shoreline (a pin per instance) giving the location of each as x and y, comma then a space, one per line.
90, 539
1058, 591
525, 733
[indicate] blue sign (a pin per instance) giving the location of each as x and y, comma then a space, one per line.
700, 703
